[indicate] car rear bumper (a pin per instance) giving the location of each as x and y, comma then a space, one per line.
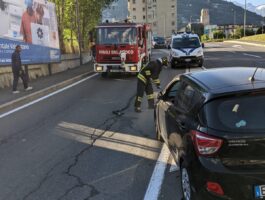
160, 46
187, 61
235, 184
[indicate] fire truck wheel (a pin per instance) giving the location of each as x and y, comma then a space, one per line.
104, 74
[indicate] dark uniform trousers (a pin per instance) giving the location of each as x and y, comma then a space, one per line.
148, 89
19, 74
144, 84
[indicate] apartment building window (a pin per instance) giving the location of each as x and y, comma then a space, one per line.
143, 16
143, 1
143, 9
173, 6
134, 1
134, 17
172, 14
134, 9
173, 23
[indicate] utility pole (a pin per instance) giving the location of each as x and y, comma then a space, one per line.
245, 18
79, 33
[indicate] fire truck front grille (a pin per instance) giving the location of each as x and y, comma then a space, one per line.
111, 58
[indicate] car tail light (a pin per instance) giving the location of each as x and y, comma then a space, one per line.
215, 188
206, 145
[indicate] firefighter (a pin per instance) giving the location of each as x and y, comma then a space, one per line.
148, 73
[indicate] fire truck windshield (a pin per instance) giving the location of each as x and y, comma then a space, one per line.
116, 35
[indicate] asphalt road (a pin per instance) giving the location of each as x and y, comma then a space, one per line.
72, 147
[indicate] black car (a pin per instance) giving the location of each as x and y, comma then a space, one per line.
159, 42
213, 122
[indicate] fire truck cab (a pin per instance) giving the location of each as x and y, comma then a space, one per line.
122, 47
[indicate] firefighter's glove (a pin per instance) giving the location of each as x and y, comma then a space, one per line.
158, 87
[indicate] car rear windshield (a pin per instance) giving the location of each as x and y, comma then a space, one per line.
238, 114
159, 39
186, 42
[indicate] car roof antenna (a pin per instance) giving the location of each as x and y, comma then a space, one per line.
252, 78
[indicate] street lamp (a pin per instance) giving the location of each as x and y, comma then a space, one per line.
245, 18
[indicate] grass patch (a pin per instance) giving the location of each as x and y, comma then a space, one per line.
256, 38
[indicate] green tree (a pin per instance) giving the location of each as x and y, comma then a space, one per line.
89, 17
218, 34
204, 38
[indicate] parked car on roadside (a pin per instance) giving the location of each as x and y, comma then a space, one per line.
159, 42
213, 122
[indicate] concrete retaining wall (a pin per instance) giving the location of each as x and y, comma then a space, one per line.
68, 61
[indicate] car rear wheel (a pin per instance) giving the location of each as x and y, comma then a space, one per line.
104, 74
186, 183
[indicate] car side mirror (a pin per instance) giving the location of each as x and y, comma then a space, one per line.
203, 45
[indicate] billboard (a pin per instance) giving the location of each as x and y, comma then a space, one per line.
33, 25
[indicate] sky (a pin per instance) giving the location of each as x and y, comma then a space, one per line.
254, 2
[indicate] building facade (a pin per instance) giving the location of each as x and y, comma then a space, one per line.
162, 14
117, 11
142, 10
205, 17
166, 17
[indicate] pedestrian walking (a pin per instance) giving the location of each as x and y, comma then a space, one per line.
148, 73
18, 72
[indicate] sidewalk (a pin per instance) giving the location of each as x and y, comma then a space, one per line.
247, 42
42, 86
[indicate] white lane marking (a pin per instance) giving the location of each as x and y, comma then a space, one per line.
237, 46
164, 50
174, 167
157, 178
246, 54
195, 69
212, 45
45, 97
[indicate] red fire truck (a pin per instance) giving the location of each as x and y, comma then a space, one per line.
122, 47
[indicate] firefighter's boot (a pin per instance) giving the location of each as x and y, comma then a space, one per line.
137, 104
137, 109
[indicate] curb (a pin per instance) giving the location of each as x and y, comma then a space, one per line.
246, 43
25, 99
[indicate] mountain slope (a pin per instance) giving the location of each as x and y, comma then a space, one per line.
221, 12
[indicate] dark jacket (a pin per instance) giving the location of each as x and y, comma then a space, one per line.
151, 71
93, 49
16, 62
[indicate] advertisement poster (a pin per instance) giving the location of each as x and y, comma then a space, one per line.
32, 24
